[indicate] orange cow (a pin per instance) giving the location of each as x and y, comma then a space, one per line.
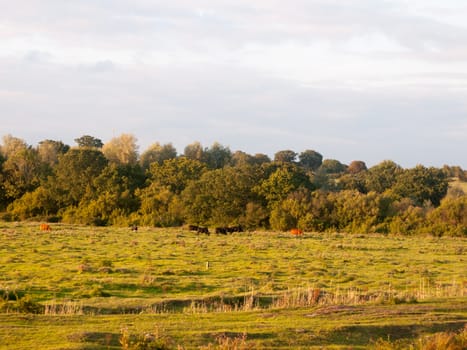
296, 232
45, 227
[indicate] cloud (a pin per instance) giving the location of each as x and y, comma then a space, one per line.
346, 78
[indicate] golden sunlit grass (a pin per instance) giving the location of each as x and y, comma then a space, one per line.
259, 289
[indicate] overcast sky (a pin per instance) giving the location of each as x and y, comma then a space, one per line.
352, 79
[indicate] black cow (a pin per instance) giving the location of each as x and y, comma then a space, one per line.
221, 230
204, 230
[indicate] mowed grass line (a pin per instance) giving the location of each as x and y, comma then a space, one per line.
256, 283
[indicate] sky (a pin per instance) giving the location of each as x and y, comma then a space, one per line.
366, 80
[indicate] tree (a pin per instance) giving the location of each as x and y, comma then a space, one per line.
12, 145
332, 166
157, 153
49, 150
217, 156
121, 150
286, 179
21, 169
194, 151
113, 196
74, 175
220, 196
382, 176
422, 184
310, 159
356, 166
292, 211
89, 142
285, 156
175, 174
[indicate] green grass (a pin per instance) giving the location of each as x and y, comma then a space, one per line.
332, 290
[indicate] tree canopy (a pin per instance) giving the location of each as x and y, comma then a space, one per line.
111, 184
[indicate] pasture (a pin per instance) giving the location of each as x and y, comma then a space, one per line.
77, 287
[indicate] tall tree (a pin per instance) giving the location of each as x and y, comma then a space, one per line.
221, 196
74, 175
157, 153
332, 166
285, 156
285, 180
89, 142
21, 169
194, 151
121, 150
422, 184
12, 145
217, 156
49, 150
356, 167
310, 159
175, 174
382, 176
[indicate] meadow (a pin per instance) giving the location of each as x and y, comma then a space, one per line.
81, 287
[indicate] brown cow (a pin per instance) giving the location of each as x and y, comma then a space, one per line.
296, 232
45, 227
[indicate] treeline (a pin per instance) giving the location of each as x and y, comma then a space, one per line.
112, 184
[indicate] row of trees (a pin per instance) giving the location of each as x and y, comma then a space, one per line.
111, 184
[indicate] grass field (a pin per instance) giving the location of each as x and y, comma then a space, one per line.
94, 288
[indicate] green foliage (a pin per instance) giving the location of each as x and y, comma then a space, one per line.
422, 184
285, 180
310, 159
213, 186
332, 166
160, 207
220, 196
74, 175
37, 204
21, 173
217, 156
175, 174
87, 141
383, 176
157, 153
285, 156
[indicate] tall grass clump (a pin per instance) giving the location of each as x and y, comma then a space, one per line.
437, 341
67, 308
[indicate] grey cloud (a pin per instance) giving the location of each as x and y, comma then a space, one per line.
210, 98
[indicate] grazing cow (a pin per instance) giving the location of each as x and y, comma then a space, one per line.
45, 227
237, 228
296, 232
193, 227
221, 230
204, 230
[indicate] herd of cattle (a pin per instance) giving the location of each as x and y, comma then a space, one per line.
224, 230
219, 230
199, 229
